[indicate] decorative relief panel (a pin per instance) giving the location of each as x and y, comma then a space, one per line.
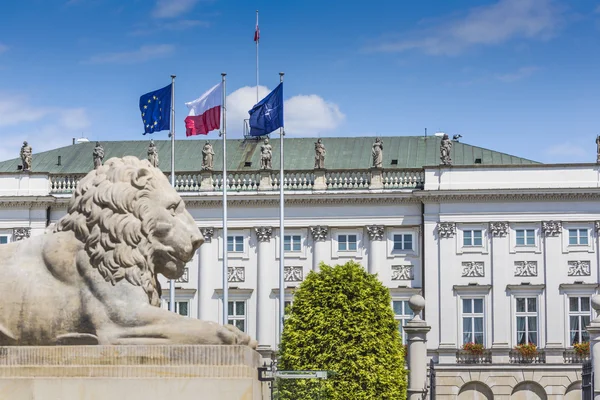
319, 233
264, 233
597, 227
208, 234
551, 228
21, 233
472, 269
402, 272
236, 274
526, 268
185, 278
499, 229
376, 232
292, 274
446, 229
579, 268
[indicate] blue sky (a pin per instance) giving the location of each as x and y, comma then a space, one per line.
518, 76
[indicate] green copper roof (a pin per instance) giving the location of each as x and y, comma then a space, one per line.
342, 153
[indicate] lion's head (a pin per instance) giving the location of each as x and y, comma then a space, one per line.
133, 224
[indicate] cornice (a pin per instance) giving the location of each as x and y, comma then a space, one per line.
441, 196
26, 201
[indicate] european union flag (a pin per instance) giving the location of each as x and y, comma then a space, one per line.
267, 115
156, 110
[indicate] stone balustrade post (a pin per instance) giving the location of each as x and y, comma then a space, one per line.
376, 247
319, 235
594, 330
376, 178
265, 180
264, 319
416, 333
205, 267
206, 183
320, 182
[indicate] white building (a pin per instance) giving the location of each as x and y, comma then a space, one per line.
503, 249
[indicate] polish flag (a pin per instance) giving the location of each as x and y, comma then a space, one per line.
205, 112
256, 33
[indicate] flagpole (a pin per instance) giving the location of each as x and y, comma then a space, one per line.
257, 40
172, 281
281, 230
225, 238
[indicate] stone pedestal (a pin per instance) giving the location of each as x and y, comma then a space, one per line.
501, 354
130, 372
265, 180
320, 182
206, 184
416, 330
594, 330
319, 235
376, 178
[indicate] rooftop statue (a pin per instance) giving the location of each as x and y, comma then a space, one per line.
207, 157
319, 154
377, 152
93, 280
445, 148
266, 154
26, 156
98, 155
153, 154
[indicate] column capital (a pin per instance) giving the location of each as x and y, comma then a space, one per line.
498, 229
208, 233
446, 229
264, 233
376, 232
551, 228
319, 233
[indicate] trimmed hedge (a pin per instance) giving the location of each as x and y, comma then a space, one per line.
341, 320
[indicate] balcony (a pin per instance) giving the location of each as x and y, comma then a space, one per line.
515, 357
571, 357
465, 357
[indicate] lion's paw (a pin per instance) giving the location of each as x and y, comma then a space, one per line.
232, 335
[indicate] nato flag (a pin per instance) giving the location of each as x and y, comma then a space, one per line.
267, 115
156, 110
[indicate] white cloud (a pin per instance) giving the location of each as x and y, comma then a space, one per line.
172, 8
519, 74
44, 127
304, 114
486, 25
142, 54
177, 25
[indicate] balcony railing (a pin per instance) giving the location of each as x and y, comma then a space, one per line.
571, 357
465, 357
243, 181
515, 357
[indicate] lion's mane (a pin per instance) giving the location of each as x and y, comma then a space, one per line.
111, 214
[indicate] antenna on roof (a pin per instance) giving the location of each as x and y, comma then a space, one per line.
425, 133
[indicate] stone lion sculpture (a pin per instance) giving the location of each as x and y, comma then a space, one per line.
93, 280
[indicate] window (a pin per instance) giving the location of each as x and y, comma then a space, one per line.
402, 314
578, 237
403, 242
527, 318
235, 244
579, 318
3, 239
347, 242
472, 320
525, 237
292, 243
236, 312
181, 308
472, 238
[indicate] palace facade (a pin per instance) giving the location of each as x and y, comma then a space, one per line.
504, 249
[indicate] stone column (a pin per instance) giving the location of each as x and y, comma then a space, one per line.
594, 330
264, 318
319, 235
376, 247
500, 304
204, 273
554, 346
416, 330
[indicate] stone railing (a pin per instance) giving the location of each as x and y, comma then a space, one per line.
241, 181
515, 357
571, 357
465, 357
